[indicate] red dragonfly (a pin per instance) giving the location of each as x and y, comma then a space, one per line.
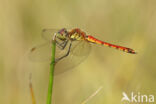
73, 44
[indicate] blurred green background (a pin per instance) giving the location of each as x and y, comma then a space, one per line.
129, 23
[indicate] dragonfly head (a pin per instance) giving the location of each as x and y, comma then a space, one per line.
62, 34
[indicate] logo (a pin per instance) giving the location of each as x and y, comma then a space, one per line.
137, 98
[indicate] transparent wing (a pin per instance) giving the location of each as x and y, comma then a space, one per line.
80, 48
48, 34
40, 53
79, 52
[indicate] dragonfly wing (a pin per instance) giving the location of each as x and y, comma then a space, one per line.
40, 53
79, 52
80, 48
48, 34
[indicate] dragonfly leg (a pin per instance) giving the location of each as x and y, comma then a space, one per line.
65, 54
62, 45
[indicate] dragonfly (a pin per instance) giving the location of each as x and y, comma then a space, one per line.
72, 47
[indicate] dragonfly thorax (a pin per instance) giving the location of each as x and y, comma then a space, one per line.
76, 36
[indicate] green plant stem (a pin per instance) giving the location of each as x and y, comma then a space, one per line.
51, 76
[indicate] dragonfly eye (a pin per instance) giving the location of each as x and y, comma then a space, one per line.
62, 31
62, 34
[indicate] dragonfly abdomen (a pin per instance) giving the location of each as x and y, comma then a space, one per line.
96, 41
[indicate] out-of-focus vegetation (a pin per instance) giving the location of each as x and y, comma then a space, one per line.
129, 23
